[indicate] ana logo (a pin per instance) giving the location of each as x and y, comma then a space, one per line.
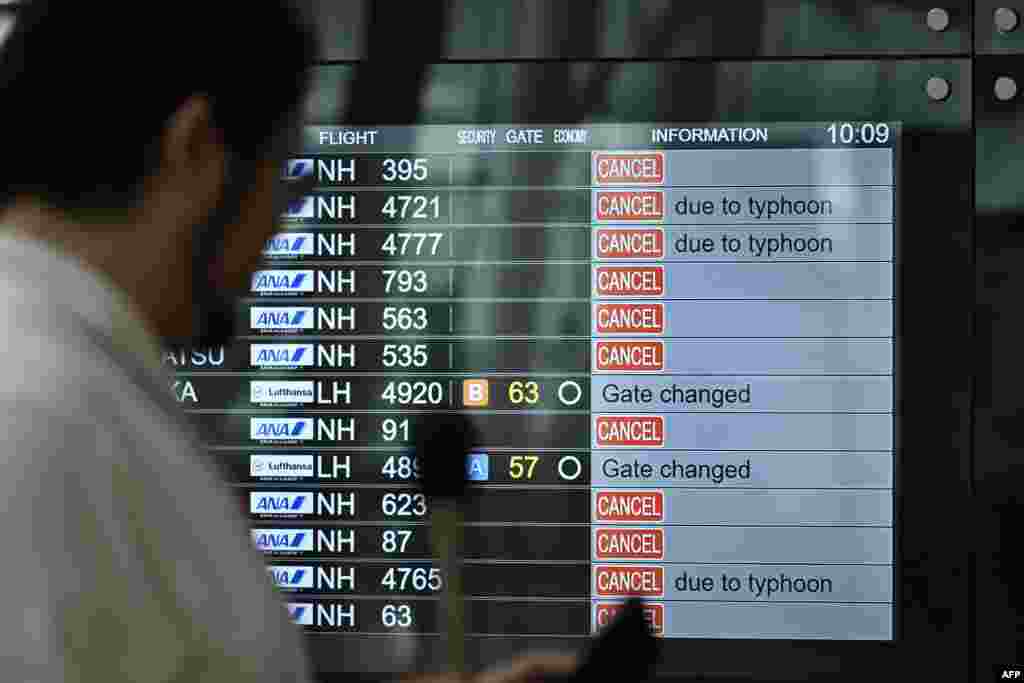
276, 503
298, 168
283, 540
300, 208
282, 281
281, 466
301, 613
284, 318
280, 428
281, 392
291, 577
290, 244
281, 355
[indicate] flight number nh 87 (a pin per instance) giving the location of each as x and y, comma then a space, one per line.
395, 540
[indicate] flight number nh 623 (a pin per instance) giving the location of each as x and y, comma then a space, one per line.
404, 505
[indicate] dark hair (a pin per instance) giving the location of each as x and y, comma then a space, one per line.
87, 88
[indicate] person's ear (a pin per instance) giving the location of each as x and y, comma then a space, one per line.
194, 158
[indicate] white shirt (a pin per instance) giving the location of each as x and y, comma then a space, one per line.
124, 558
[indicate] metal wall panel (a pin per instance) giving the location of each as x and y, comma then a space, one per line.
998, 26
999, 365
656, 29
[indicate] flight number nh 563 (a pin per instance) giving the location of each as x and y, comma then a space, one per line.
404, 318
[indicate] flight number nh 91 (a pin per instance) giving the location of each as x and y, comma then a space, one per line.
404, 505
392, 429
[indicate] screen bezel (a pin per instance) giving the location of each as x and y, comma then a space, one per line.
930, 577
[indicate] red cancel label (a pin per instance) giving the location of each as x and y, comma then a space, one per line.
640, 205
630, 544
654, 613
634, 431
629, 356
645, 168
630, 281
624, 243
620, 581
629, 506
630, 318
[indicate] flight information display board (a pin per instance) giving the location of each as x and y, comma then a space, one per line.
677, 344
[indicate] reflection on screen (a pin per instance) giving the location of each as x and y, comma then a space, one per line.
676, 342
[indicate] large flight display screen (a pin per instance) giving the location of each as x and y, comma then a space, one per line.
676, 341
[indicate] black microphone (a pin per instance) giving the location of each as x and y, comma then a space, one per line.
442, 444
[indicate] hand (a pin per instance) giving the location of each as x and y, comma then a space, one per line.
529, 668
525, 669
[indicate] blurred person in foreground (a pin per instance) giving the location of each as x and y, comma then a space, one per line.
142, 153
